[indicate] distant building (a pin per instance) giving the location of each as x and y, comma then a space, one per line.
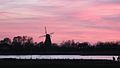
118, 58
113, 58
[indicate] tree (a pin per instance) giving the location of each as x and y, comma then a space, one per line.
68, 43
29, 42
5, 43
17, 42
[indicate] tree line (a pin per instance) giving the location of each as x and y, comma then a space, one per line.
25, 44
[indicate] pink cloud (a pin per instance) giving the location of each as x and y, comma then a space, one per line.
80, 20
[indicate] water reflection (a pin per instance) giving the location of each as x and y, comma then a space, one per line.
56, 57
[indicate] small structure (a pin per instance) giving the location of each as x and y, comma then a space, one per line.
113, 58
118, 58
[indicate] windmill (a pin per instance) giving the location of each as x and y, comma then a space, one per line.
47, 38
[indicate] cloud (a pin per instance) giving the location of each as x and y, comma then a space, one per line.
113, 18
84, 20
108, 1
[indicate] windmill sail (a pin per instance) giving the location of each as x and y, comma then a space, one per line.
51, 33
45, 30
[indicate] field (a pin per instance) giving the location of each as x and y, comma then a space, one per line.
57, 63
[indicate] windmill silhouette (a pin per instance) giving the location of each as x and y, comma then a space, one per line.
47, 38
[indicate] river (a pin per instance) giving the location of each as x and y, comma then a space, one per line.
57, 57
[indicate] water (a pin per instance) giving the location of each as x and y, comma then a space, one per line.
56, 57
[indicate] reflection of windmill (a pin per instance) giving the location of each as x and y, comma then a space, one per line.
48, 38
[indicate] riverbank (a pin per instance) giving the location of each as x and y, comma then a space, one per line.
61, 53
58, 63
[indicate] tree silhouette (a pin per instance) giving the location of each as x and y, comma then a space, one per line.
17, 43
25, 44
5, 44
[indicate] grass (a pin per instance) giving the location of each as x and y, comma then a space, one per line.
62, 63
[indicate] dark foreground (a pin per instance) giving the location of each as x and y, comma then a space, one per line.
62, 53
58, 63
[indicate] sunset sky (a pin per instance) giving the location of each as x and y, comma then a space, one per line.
79, 20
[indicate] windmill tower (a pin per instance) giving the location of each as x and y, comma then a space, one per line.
47, 38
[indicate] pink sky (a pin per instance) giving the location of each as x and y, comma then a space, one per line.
79, 20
